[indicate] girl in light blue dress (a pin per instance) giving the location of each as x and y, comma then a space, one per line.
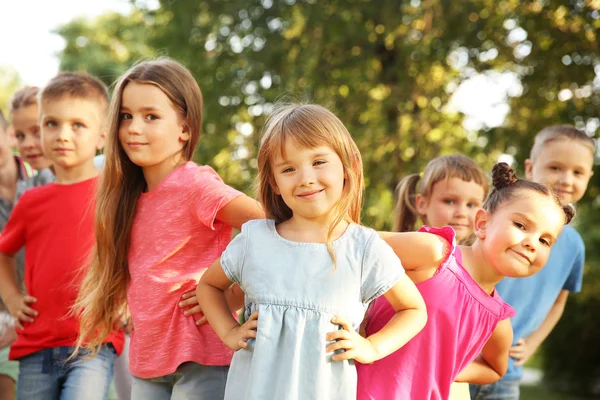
308, 271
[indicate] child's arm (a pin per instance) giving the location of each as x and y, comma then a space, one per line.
492, 364
418, 250
211, 297
15, 301
527, 346
410, 318
239, 211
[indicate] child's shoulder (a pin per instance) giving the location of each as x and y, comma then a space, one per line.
568, 241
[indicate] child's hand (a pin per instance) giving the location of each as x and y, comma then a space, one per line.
19, 309
237, 338
521, 352
355, 346
190, 300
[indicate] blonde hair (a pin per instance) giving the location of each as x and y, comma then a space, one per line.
438, 169
75, 85
102, 297
24, 97
557, 132
309, 126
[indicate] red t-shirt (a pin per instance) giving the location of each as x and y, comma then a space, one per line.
55, 223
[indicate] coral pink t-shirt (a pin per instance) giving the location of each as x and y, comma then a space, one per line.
461, 319
174, 239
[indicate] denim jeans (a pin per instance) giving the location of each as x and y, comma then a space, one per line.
501, 390
190, 381
48, 375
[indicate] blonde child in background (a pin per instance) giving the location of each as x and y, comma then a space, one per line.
54, 223
309, 270
448, 193
161, 220
468, 333
562, 157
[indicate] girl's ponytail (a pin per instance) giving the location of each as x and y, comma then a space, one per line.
406, 212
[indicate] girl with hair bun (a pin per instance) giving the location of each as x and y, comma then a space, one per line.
468, 333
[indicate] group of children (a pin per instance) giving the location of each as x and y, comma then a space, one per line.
330, 309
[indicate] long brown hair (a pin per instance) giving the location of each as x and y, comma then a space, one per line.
439, 169
310, 126
102, 297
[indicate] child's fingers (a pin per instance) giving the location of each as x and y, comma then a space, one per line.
339, 334
188, 302
28, 311
340, 345
249, 334
189, 294
21, 316
347, 355
29, 299
343, 322
18, 324
201, 321
193, 310
253, 316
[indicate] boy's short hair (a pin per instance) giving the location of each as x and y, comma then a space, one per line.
24, 97
78, 85
556, 132
3, 122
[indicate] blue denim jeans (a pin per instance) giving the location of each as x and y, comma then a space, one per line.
48, 375
501, 390
190, 381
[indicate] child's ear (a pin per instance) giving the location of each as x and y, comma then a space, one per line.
101, 139
185, 132
482, 218
421, 204
528, 169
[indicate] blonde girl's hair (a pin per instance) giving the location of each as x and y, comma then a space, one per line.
309, 126
438, 169
102, 297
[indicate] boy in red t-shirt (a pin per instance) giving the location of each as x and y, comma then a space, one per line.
55, 224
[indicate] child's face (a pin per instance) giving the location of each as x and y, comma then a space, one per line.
72, 130
151, 131
565, 165
518, 236
27, 133
310, 181
452, 202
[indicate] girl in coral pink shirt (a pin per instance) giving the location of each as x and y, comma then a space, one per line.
161, 220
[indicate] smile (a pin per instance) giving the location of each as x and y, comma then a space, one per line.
309, 195
522, 256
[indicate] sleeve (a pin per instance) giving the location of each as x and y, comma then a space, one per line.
575, 278
447, 233
211, 194
232, 259
12, 238
381, 269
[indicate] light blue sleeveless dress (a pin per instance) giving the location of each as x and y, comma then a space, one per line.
297, 290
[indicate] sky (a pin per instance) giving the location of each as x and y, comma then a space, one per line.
27, 43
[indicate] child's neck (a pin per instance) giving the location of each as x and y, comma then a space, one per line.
155, 174
309, 230
475, 262
76, 173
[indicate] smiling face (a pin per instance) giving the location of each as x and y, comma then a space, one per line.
151, 131
452, 202
27, 132
564, 165
517, 237
72, 130
310, 180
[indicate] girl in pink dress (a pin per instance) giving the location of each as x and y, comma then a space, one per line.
468, 333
